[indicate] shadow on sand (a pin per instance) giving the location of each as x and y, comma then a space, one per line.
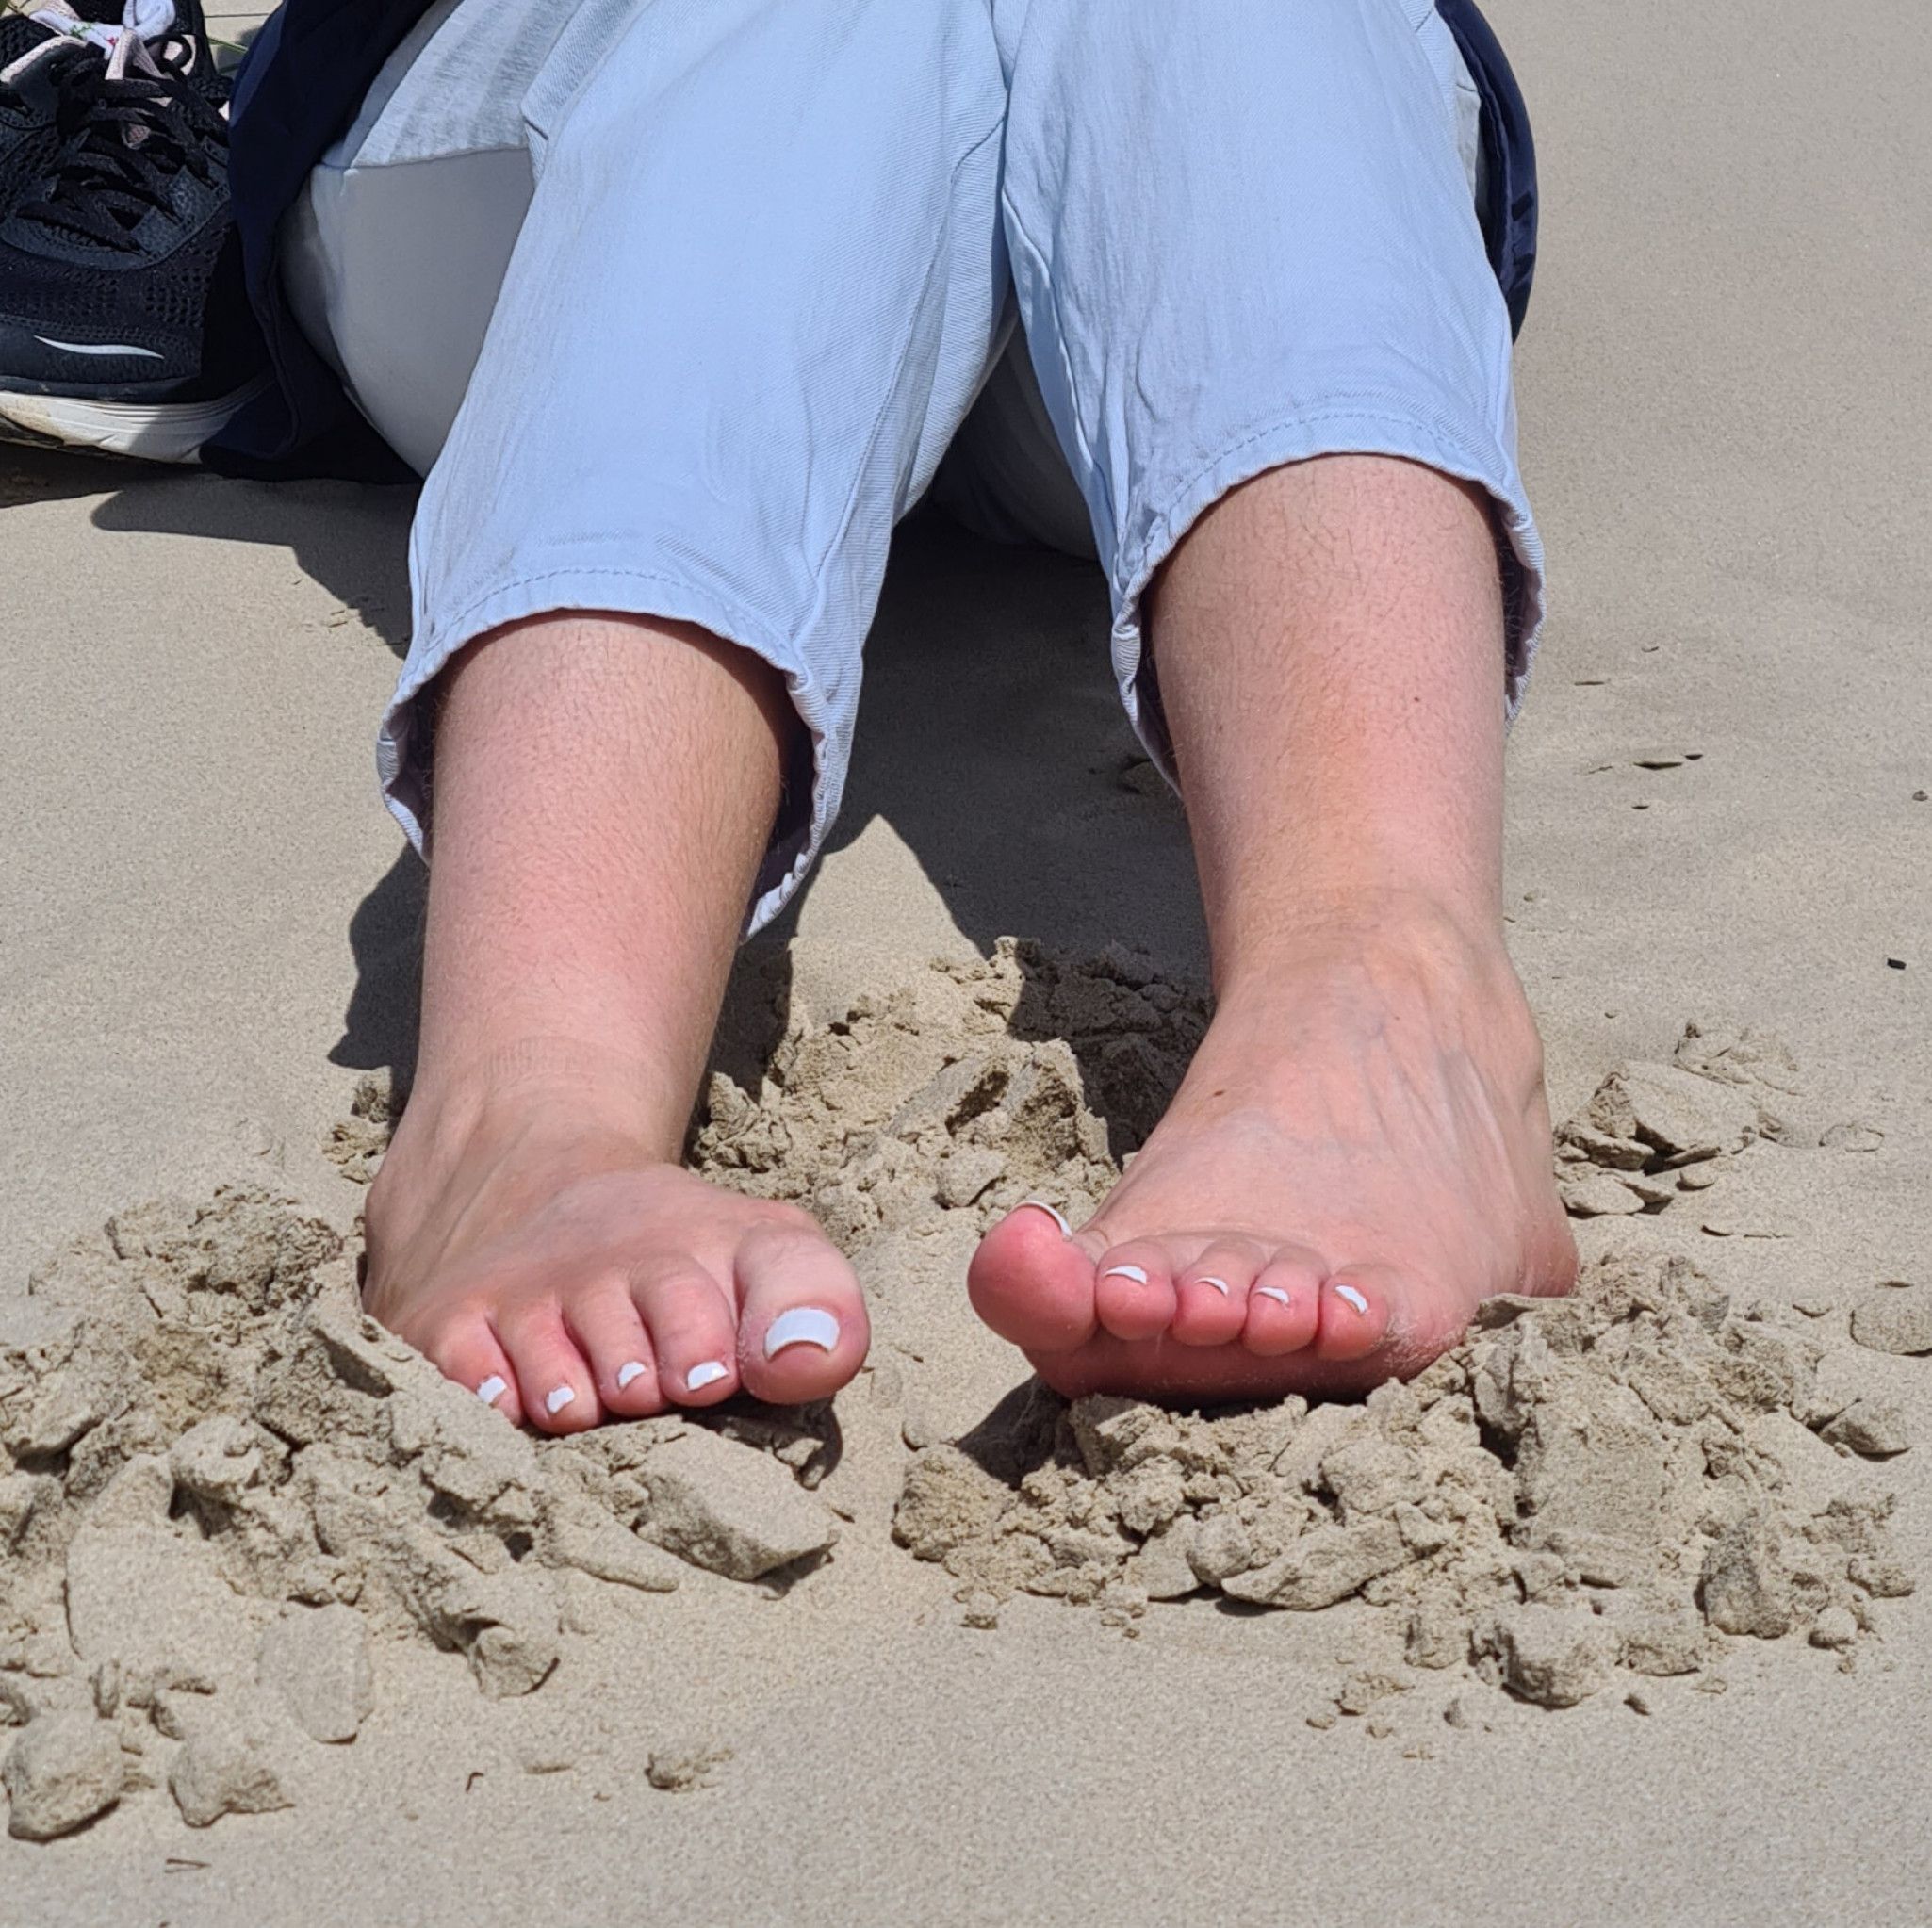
992, 740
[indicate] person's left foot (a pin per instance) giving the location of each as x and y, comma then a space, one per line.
1359, 1154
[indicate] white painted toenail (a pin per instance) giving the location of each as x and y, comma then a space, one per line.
1221, 1286
491, 1390
1132, 1272
557, 1400
629, 1370
803, 1324
1041, 1206
709, 1373
1348, 1295
1273, 1292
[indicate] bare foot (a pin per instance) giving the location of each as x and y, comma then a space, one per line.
1358, 1154
544, 1251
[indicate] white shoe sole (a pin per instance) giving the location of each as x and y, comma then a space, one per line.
166, 432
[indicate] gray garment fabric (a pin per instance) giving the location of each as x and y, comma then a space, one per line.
436, 171
682, 305
446, 119
457, 81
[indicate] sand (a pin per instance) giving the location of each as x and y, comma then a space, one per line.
224, 1485
229, 1499
209, 939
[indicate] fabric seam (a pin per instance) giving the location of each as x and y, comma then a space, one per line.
899, 359
1095, 468
1161, 535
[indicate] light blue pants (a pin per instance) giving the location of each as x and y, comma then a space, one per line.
763, 256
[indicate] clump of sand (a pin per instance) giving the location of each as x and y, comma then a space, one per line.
223, 1483
969, 1090
225, 1479
1654, 1135
1618, 1483
1586, 1489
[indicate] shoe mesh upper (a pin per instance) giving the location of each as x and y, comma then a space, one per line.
30, 131
125, 238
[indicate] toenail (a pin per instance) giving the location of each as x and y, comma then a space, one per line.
557, 1400
492, 1390
1348, 1295
1221, 1286
1132, 1272
1275, 1292
1041, 1206
709, 1373
803, 1324
629, 1370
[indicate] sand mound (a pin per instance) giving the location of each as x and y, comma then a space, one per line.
975, 1087
1619, 1483
1653, 1134
1603, 1485
224, 1479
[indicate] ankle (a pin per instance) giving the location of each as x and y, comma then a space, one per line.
1436, 937
540, 1086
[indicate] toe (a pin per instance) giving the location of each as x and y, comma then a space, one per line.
1133, 1290
609, 1330
1403, 1319
802, 1328
1284, 1307
692, 1340
1213, 1293
466, 1350
1031, 1283
555, 1387
1362, 1309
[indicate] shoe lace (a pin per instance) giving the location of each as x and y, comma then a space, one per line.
135, 123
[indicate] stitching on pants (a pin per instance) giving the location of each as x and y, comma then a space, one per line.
1161, 535
845, 522
1093, 466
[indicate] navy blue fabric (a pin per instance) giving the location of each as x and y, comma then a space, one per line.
313, 61
1509, 210
298, 89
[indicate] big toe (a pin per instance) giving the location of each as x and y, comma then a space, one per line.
1031, 1283
802, 1328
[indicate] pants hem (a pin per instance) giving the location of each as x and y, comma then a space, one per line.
404, 762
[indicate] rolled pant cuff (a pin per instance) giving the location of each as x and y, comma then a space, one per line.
404, 752
1473, 456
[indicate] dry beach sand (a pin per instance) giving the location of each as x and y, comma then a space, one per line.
1611, 1613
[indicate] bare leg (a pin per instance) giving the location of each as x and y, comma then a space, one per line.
1361, 1150
604, 788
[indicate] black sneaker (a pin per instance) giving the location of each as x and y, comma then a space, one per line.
43, 56
123, 322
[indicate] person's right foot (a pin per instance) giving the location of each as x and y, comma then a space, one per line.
546, 1252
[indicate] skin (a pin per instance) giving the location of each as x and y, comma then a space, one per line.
1359, 1153
604, 788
